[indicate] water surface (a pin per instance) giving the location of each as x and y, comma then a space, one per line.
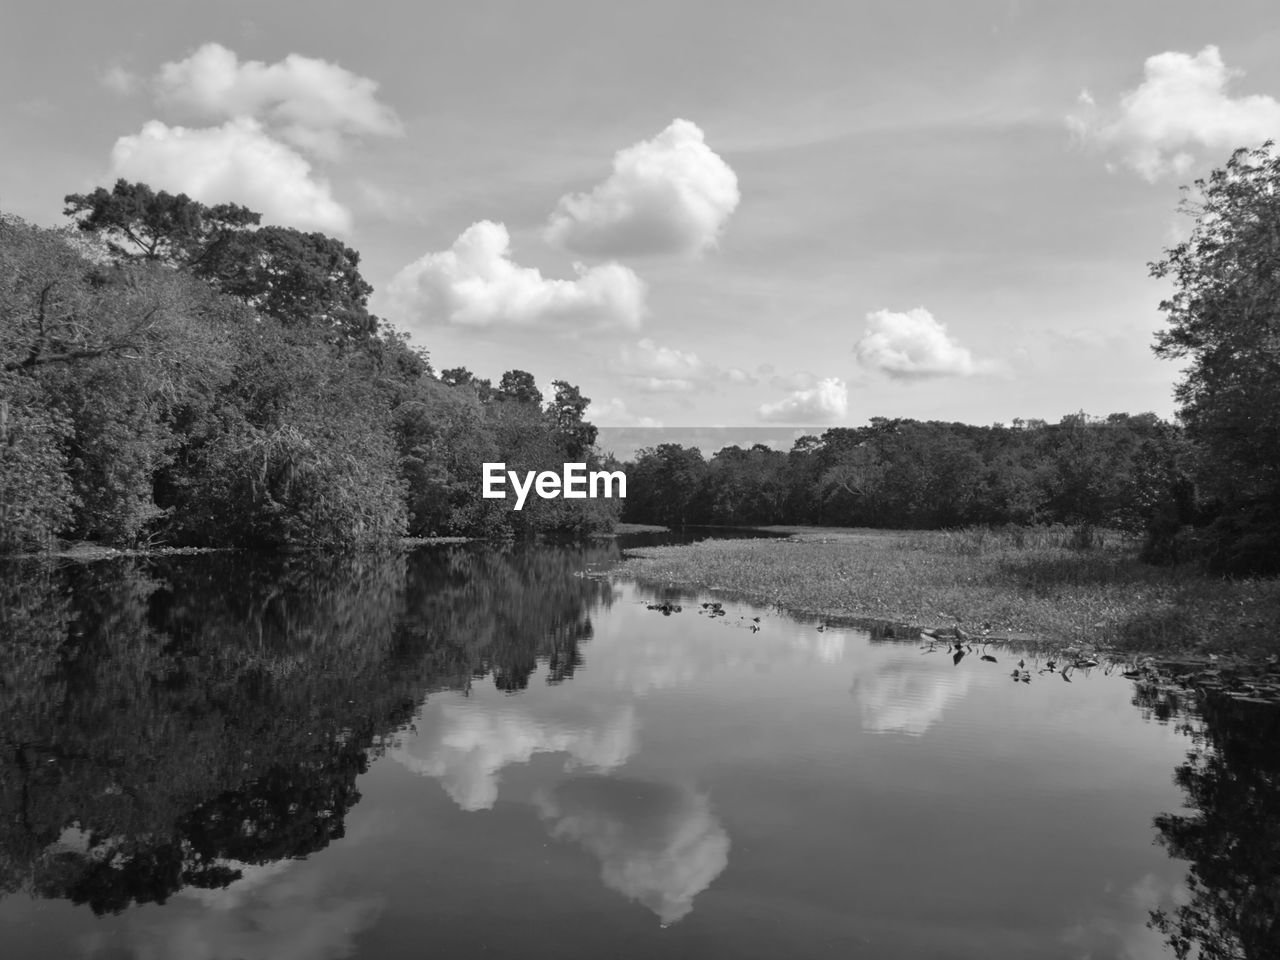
480, 751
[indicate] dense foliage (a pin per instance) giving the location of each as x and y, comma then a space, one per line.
1224, 317
172, 372
1121, 471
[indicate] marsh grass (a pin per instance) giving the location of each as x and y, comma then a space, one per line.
1057, 585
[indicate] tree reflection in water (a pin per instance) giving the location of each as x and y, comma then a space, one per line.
164, 717
1231, 836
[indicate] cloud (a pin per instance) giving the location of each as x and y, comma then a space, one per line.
657, 369
668, 195
802, 380
313, 104
653, 368
119, 80
467, 748
913, 345
658, 844
614, 413
476, 284
238, 162
828, 400
1182, 103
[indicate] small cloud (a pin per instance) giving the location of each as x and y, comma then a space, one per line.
649, 358
475, 283
312, 104
913, 345
614, 413
828, 400
802, 380
665, 384
237, 162
1086, 337
119, 80
658, 369
668, 195
1182, 104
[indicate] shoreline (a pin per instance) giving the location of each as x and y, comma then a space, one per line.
1025, 587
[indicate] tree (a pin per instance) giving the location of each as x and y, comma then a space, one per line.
301, 279
137, 221
1224, 318
520, 387
567, 412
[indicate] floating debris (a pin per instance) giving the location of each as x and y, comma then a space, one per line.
667, 609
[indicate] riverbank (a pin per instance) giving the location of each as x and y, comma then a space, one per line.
1030, 585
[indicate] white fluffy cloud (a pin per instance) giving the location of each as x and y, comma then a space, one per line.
669, 195
475, 283
827, 400
238, 162
913, 345
311, 103
658, 844
1182, 103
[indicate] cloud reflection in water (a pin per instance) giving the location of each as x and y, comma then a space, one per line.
466, 747
898, 697
658, 844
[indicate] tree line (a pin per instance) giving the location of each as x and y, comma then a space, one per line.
172, 372
1119, 471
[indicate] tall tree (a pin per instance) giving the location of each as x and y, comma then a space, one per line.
1224, 318
301, 279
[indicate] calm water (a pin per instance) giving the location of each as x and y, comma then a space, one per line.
477, 751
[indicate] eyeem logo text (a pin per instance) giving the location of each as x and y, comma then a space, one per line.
573, 483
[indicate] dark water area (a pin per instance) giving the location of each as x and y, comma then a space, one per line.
472, 750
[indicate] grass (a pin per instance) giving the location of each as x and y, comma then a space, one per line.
1055, 585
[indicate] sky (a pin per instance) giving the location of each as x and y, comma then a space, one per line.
704, 214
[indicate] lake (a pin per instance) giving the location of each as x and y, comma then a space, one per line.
476, 750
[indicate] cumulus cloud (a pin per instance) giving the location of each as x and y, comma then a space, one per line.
475, 283
658, 844
669, 195
1182, 104
914, 345
827, 400
466, 748
313, 104
238, 162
